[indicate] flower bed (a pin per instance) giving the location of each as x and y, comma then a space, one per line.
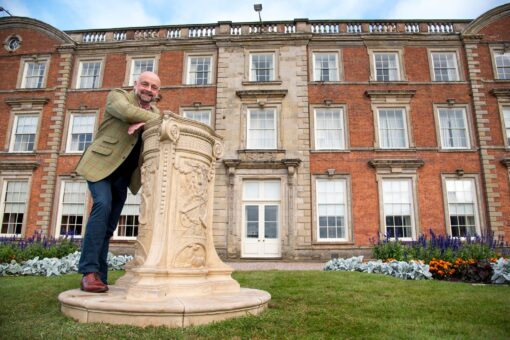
494, 271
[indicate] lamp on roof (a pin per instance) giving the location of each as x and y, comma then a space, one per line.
6, 11
258, 9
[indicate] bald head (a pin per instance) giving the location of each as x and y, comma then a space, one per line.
147, 87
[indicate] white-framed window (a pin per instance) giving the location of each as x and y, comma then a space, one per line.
140, 65
81, 132
386, 66
398, 208
325, 66
127, 229
332, 217
502, 61
13, 206
329, 129
453, 128
34, 74
72, 208
199, 70
24, 133
261, 129
506, 122
89, 74
202, 116
392, 128
445, 67
261, 200
462, 207
262, 67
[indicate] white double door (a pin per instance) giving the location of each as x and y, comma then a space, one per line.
261, 219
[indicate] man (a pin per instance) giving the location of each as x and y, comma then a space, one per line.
111, 165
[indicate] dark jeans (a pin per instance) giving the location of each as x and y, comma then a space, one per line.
109, 196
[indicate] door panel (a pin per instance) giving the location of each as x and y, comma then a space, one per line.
261, 231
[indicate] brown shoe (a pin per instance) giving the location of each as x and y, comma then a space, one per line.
92, 283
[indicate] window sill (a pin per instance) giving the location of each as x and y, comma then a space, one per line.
319, 82
32, 88
444, 82
199, 85
456, 150
330, 151
377, 149
333, 243
260, 151
379, 82
262, 83
18, 153
123, 240
72, 153
91, 89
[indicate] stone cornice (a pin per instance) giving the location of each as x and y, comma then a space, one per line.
396, 163
253, 94
389, 93
23, 22
486, 19
501, 92
286, 163
390, 96
14, 101
19, 165
291, 162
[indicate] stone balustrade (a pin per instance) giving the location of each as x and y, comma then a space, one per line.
298, 26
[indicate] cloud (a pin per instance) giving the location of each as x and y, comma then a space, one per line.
113, 13
90, 14
16, 8
242, 10
441, 9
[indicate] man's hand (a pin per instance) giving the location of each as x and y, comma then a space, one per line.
133, 127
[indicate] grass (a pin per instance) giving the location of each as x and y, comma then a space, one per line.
305, 304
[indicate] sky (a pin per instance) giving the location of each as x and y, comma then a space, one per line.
93, 14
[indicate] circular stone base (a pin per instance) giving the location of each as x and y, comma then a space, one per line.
113, 307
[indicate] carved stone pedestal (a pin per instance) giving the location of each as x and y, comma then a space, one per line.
176, 278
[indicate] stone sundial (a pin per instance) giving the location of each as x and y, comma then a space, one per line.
176, 279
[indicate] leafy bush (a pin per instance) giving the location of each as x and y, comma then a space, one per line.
440, 247
54, 266
36, 246
475, 271
501, 271
403, 270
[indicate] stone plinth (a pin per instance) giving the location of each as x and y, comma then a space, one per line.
176, 278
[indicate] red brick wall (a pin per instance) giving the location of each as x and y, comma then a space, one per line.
365, 199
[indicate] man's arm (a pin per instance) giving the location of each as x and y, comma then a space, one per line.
119, 106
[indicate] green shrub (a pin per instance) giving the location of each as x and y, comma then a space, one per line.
36, 246
441, 247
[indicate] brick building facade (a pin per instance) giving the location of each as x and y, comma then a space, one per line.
335, 131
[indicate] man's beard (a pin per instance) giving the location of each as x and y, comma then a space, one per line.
144, 97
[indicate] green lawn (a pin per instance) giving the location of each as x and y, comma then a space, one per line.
305, 304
